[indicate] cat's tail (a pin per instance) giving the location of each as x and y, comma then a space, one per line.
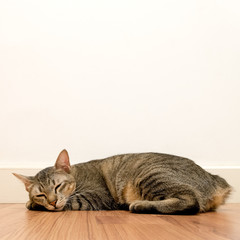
220, 195
226, 189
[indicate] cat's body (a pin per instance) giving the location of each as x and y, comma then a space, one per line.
146, 182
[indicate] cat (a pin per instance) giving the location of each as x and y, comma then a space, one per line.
141, 183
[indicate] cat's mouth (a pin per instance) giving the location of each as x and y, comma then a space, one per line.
58, 207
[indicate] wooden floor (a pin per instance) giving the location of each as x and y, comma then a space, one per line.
16, 222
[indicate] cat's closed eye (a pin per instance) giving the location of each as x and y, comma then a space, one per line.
57, 187
41, 195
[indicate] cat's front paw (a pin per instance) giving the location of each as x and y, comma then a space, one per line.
33, 206
29, 205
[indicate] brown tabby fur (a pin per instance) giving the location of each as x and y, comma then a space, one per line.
144, 182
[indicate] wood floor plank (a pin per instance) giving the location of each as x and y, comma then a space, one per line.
16, 222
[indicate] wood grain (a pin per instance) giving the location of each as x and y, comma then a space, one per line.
16, 222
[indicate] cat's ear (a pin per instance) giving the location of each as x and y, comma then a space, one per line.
28, 181
63, 161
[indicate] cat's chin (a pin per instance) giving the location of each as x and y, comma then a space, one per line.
60, 205
53, 209
58, 209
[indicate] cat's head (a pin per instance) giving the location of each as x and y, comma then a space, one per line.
51, 187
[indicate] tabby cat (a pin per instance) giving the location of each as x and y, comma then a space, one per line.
142, 183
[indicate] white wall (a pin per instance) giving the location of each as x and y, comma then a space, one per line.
107, 77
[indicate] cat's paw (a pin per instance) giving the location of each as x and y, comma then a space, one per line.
33, 206
29, 205
140, 206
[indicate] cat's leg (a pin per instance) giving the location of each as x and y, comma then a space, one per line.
176, 205
91, 200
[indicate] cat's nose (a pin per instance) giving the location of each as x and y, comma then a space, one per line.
53, 203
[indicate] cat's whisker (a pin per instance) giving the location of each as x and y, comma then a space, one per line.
78, 188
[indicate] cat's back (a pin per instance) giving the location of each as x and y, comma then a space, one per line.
151, 160
168, 168
121, 168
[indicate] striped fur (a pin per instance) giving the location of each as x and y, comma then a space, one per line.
144, 182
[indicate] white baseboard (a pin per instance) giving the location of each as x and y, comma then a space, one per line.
13, 191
